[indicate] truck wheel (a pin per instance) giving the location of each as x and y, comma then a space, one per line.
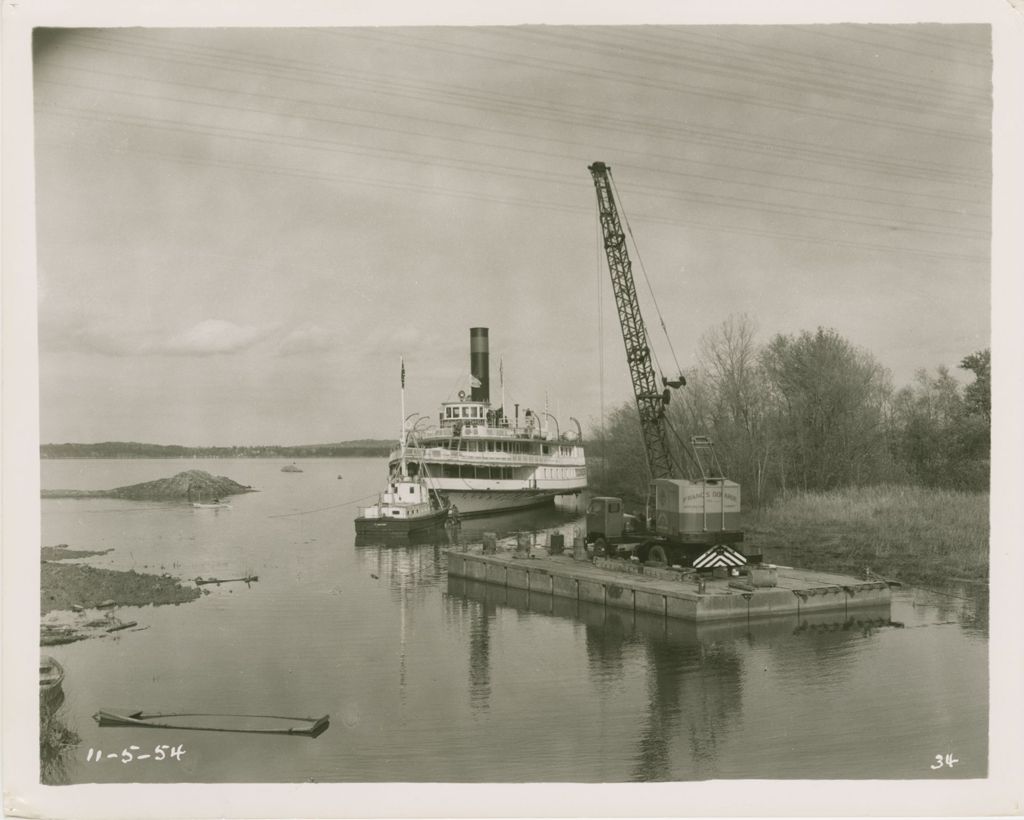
657, 554
600, 546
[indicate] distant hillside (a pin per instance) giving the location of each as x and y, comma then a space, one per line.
362, 448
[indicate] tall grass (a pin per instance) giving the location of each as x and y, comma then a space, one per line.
57, 741
912, 533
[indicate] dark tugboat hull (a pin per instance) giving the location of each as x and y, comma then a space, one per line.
401, 526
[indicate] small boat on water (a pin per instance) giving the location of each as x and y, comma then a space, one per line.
51, 682
210, 722
291, 468
409, 504
216, 504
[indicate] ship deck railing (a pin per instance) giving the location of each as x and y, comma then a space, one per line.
471, 430
442, 455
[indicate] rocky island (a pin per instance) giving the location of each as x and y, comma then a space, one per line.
191, 485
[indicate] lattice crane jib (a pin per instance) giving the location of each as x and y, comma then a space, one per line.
650, 402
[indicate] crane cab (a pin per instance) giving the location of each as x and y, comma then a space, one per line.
684, 508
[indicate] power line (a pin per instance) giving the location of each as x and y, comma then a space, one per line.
798, 61
767, 146
568, 157
519, 135
915, 32
761, 72
818, 32
689, 89
334, 146
534, 204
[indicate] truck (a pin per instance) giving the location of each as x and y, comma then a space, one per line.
695, 521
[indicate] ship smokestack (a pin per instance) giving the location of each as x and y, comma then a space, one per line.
479, 364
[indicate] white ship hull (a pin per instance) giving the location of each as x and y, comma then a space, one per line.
482, 502
481, 495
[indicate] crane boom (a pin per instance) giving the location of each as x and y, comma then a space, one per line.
650, 400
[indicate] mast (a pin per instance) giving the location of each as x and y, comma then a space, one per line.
402, 438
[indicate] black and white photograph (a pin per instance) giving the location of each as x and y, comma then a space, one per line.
622, 404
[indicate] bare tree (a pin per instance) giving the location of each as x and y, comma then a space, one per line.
737, 406
831, 399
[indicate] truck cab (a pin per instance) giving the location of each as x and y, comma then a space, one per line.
604, 518
607, 520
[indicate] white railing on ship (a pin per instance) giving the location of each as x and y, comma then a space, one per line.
470, 430
437, 454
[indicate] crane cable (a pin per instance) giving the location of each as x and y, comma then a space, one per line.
598, 267
647, 281
683, 446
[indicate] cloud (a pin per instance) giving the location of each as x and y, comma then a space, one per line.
308, 339
211, 337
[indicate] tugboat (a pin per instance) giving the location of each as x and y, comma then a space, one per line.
409, 504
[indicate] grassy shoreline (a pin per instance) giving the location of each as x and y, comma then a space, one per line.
67, 585
911, 534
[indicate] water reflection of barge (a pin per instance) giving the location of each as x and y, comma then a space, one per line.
694, 672
482, 461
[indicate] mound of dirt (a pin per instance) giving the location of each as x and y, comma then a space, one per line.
68, 585
191, 485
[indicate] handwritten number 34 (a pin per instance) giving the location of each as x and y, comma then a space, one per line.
948, 761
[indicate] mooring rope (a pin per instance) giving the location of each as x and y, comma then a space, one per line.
321, 509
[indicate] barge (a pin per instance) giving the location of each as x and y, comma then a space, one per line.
698, 597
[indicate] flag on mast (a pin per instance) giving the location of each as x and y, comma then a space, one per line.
403, 372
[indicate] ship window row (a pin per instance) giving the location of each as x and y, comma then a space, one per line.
497, 447
490, 446
560, 472
471, 412
471, 471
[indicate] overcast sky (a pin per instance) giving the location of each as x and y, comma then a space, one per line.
240, 231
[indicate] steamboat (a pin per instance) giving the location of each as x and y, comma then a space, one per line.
484, 461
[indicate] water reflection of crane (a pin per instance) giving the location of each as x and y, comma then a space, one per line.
693, 685
695, 681
693, 688
694, 674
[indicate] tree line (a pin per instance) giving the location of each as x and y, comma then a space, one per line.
810, 411
366, 448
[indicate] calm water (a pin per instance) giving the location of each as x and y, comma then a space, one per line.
430, 682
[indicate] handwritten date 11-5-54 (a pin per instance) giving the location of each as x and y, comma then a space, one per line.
130, 754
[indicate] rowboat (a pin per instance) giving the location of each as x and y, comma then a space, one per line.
209, 722
51, 680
